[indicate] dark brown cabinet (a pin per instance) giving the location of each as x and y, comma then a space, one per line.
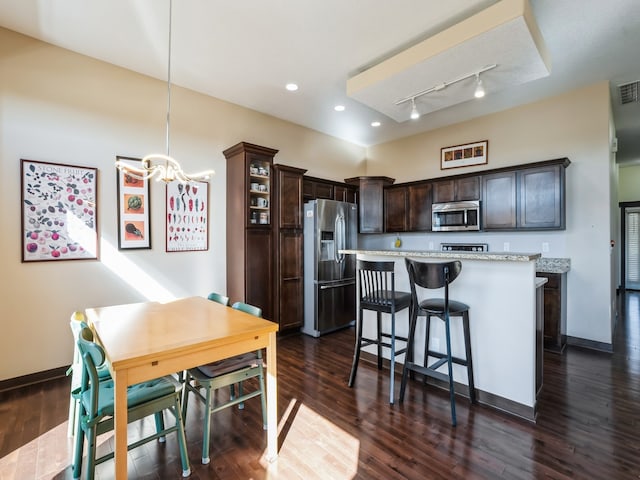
420, 201
371, 202
541, 202
249, 234
527, 198
288, 252
456, 189
396, 207
555, 311
407, 208
318, 188
499, 201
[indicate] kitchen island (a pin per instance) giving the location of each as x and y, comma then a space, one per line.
500, 289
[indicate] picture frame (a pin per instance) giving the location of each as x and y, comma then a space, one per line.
59, 211
134, 208
187, 216
476, 153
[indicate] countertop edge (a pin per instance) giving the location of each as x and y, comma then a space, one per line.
487, 256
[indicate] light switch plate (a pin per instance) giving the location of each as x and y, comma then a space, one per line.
545, 247
506, 246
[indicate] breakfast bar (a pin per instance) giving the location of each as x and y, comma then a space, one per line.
503, 293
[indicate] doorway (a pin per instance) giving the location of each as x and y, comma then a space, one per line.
630, 252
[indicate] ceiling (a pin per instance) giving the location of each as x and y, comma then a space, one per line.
246, 51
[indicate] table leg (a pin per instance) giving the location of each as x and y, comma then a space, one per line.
272, 400
120, 424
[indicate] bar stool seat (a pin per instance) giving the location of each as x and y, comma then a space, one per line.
435, 276
378, 294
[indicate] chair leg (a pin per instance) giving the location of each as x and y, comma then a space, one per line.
182, 441
185, 396
159, 418
356, 353
392, 375
467, 346
263, 399
206, 429
91, 452
452, 397
426, 344
77, 450
408, 363
379, 338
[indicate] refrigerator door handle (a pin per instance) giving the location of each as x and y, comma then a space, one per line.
340, 239
337, 285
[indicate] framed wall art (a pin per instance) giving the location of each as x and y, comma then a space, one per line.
187, 216
134, 209
59, 211
464, 155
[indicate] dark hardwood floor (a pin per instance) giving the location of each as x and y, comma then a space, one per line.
588, 424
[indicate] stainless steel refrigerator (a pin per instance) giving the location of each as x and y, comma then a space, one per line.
329, 276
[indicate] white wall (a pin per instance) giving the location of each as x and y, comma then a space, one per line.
58, 106
574, 125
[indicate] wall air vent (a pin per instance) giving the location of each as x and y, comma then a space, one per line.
628, 92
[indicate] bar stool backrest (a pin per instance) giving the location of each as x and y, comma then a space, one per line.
377, 282
432, 275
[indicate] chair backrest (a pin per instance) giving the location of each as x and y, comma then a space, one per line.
216, 297
377, 281
92, 356
250, 309
432, 275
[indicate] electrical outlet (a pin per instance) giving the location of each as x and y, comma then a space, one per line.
430, 245
506, 246
545, 247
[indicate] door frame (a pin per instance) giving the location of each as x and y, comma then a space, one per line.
623, 241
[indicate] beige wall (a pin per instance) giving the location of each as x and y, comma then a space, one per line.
58, 106
574, 125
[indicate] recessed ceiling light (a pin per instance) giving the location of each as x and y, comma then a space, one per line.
339, 108
375, 124
292, 87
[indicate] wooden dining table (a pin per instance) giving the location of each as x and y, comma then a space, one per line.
147, 340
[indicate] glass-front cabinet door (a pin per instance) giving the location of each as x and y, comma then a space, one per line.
259, 191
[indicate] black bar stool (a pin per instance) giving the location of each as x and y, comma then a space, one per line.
377, 293
433, 276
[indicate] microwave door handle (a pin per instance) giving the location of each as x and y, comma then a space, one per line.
465, 221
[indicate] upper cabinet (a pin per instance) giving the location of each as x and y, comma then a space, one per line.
407, 208
527, 198
371, 202
456, 189
315, 188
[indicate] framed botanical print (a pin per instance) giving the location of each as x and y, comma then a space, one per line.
187, 216
59, 211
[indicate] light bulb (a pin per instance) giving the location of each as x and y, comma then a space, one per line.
479, 93
414, 111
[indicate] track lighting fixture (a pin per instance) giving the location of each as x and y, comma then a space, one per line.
414, 111
479, 91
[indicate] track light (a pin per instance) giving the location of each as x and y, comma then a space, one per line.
479, 93
414, 111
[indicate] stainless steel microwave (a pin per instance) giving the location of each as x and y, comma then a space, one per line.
455, 216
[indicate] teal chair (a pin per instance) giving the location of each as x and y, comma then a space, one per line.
203, 381
216, 297
78, 323
96, 408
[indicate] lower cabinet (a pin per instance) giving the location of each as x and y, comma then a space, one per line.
555, 311
258, 271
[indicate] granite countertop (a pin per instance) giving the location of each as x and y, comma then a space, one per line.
553, 265
490, 256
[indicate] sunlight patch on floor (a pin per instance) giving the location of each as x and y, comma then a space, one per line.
312, 447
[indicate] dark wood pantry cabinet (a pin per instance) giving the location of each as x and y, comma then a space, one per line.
249, 234
264, 256
289, 243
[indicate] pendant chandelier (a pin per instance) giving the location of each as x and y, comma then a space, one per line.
163, 166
